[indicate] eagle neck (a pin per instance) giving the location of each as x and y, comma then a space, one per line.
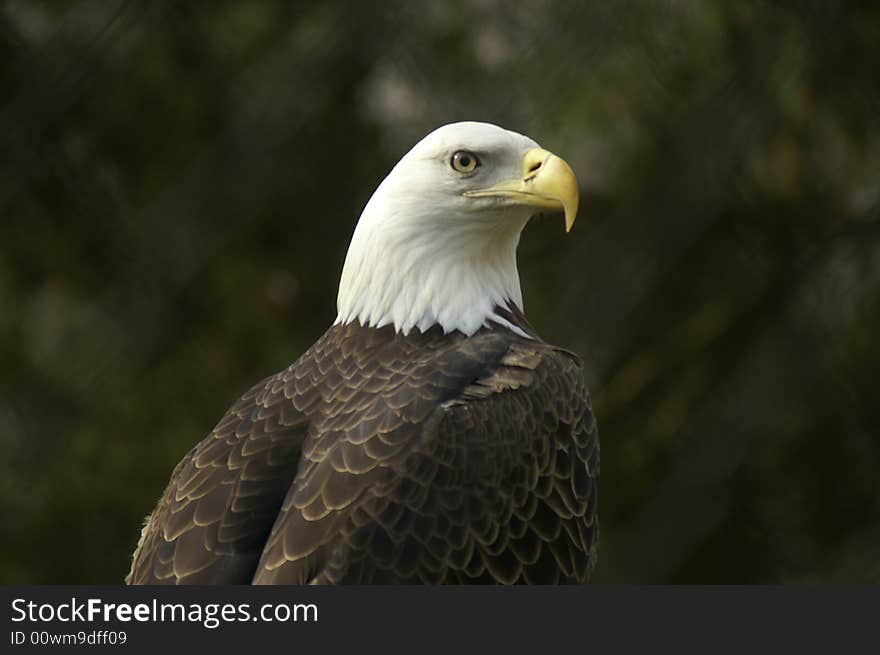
449, 273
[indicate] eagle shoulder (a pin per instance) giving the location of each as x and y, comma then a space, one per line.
210, 523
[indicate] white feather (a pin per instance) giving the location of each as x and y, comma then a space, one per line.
422, 253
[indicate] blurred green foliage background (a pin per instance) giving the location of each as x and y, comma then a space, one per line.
179, 182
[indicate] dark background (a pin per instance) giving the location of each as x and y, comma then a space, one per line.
179, 182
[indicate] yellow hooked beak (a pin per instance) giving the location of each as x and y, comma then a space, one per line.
548, 182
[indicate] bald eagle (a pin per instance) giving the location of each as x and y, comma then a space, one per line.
429, 436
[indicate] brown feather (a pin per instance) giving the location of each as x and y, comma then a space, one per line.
384, 458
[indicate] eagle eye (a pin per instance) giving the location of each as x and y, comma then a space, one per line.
464, 161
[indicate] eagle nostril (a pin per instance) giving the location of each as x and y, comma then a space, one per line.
534, 167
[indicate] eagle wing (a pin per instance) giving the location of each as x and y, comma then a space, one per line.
473, 461
480, 466
211, 523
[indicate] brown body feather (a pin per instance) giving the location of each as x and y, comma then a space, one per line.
382, 458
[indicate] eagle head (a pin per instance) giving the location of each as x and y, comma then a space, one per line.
436, 242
